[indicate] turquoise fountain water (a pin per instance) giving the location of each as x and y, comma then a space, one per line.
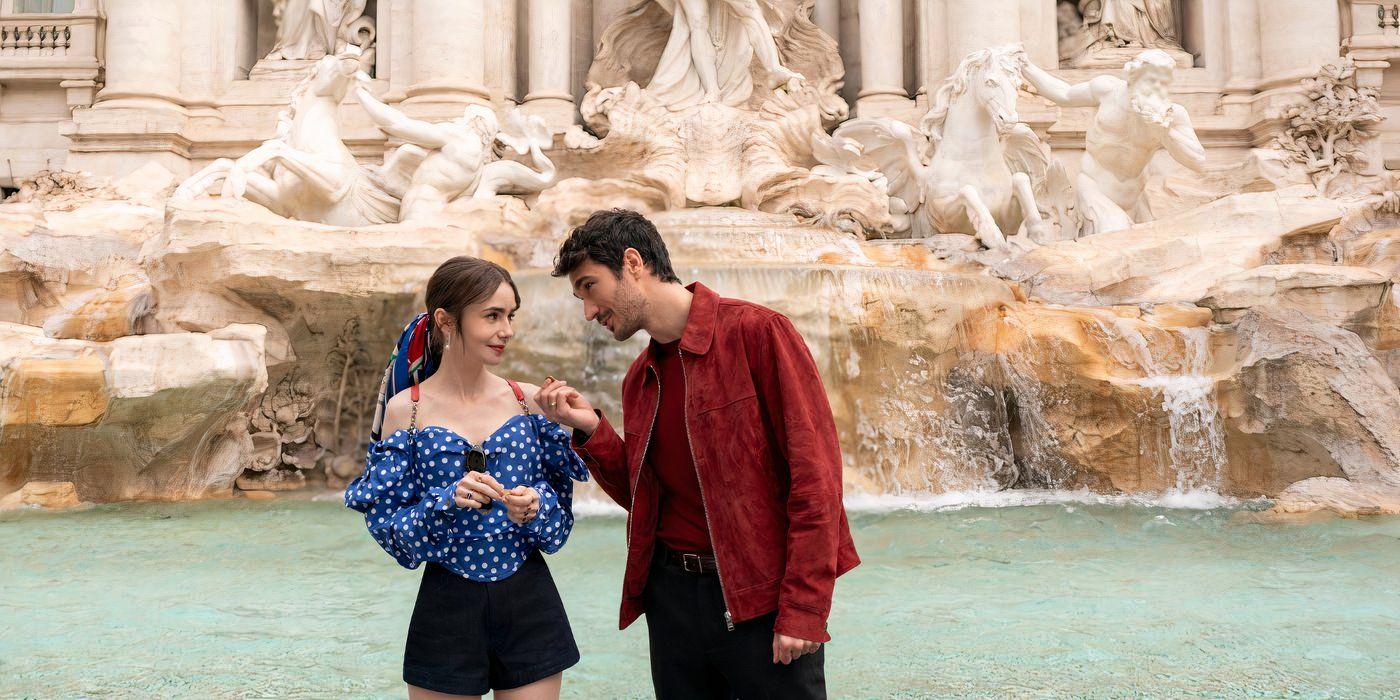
1114, 599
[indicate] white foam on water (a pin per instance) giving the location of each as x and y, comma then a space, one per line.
884, 503
956, 500
594, 507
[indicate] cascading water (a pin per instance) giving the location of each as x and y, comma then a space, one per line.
1196, 439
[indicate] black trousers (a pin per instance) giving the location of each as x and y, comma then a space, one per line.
694, 655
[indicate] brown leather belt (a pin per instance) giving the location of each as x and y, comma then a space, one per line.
692, 563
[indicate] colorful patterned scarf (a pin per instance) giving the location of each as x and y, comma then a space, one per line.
412, 361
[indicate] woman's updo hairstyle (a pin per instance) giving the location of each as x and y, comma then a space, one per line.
461, 282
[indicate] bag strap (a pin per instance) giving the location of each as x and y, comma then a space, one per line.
413, 417
519, 396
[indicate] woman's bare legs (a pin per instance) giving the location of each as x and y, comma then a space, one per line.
547, 689
416, 693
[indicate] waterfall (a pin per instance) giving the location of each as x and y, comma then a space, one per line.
1196, 439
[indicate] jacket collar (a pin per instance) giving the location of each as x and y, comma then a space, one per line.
700, 325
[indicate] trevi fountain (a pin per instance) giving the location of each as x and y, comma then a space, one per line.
1101, 290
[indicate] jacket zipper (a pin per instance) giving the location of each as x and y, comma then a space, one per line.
690, 445
636, 480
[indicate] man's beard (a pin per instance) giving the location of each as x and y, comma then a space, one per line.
628, 310
1157, 110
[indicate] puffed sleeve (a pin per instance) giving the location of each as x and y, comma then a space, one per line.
562, 467
410, 522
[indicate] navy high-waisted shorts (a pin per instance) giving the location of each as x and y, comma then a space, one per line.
467, 637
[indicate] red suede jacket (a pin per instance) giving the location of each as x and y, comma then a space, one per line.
768, 460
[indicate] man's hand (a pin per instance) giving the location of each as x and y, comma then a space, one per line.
563, 404
789, 649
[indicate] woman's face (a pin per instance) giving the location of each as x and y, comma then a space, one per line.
486, 327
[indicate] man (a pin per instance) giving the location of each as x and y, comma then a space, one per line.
1135, 119
728, 466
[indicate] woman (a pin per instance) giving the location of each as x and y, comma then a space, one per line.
467, 476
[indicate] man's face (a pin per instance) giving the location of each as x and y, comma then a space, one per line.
1151, 95
1153, 82
616, 303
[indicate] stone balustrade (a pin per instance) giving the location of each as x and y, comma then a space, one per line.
53, 48
22, 39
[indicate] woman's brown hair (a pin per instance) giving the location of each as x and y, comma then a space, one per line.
461, 282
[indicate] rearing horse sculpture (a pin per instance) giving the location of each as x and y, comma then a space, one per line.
985, 163
305, 172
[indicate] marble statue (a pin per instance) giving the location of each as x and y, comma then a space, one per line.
705, 103
310, 29
1135, 119
985, 166
440, 162
692, 52
1144, 24
305, 172
709, 51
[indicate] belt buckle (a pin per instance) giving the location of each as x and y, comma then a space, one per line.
686, 559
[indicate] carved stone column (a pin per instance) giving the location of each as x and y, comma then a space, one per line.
980, 25
881, 59
1241, 47
143, 48
140, 116
551, 51
449, 59
502, 18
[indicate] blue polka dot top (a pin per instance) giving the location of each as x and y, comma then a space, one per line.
409, 509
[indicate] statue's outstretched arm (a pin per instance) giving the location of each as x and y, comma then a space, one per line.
398, 124
1060, 92
1182, 143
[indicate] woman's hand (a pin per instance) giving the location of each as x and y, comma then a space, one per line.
522, 504
477, 490
563, 404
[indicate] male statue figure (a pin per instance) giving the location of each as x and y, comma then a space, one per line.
1135, 119
442, 161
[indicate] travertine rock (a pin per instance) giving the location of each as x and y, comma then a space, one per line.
1340, 295
42, 494
146, 417
1307, 399
1178, 258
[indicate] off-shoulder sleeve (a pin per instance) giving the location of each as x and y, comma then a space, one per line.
409, 522
562, 467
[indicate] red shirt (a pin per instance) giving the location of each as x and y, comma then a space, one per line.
681, 519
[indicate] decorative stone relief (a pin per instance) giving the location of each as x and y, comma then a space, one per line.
285, 444
1330, 134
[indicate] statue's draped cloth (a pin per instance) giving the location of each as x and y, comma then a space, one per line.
649, 44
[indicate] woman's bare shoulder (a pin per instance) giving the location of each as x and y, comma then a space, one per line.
397, 412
